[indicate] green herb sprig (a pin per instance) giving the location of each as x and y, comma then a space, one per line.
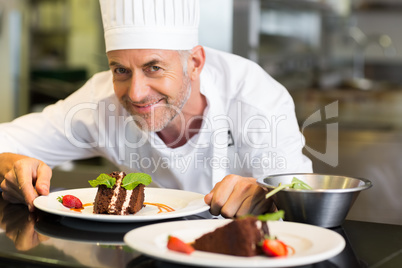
103, 179
60, 199
129, 182
132, 180
295, 184
272, 216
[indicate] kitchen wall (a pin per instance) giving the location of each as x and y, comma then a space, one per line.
86, 43
368, 139
216, 24
66, 48
44, 36
14, 66
73, 28
84, 46
327, 46
377, 22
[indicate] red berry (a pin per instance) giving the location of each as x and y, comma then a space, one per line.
274, 248
178, 245
71, 201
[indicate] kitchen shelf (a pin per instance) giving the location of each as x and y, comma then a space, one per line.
381, 7
299, 5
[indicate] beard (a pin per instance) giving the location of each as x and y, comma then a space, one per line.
164, 113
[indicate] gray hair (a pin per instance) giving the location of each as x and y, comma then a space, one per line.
184, 54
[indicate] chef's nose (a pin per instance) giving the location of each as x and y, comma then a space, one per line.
139, 88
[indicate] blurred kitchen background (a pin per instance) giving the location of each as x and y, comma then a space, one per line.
341, 60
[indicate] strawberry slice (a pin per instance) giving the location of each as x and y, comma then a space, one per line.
70, 201
274, 248
179, 245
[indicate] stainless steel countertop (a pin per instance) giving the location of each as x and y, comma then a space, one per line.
43, 240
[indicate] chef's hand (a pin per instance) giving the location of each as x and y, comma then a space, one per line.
23, 178
238, 196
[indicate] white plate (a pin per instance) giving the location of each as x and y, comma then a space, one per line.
184, 203
311, 243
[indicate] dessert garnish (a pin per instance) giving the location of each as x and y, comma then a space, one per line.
273, 247
295, 184
130, 181
70, 201
161, 207
272, 216
176, 244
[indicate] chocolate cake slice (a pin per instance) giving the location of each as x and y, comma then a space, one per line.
117, 200
241, 237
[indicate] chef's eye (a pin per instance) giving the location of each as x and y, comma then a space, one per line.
154, 69
120, 70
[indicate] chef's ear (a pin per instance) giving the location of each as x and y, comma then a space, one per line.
197, 60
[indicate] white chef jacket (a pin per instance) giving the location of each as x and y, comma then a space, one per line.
249, 129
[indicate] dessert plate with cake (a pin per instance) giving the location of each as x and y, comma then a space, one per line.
121, 197
236, 243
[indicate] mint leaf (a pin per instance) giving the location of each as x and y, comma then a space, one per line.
274, 216
132, 180
295, 184
103, 179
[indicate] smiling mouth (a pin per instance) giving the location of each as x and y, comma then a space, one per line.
148, 105
145, 107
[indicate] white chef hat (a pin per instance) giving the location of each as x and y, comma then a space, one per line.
150, 24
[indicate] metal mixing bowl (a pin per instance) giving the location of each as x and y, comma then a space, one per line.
327, 205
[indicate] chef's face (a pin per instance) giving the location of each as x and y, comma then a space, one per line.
150, 84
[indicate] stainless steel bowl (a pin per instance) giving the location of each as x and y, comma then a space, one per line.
327, 205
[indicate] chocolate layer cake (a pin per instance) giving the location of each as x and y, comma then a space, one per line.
240, 237
117, 200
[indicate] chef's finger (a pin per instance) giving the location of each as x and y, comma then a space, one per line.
208, 198
240, 201
221, 194
242, 208
255, 204
12, 198
10, 182
10, 191
25, 172
262, 205
265, 206
44, 174
256, 201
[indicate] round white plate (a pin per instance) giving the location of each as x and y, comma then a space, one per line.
184, 203
311, 244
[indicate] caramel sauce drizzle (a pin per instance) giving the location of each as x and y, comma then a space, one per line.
83, 206
160, 206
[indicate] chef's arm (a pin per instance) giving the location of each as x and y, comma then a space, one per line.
236, 196
23, 178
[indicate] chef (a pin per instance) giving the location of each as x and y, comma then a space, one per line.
195, 118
